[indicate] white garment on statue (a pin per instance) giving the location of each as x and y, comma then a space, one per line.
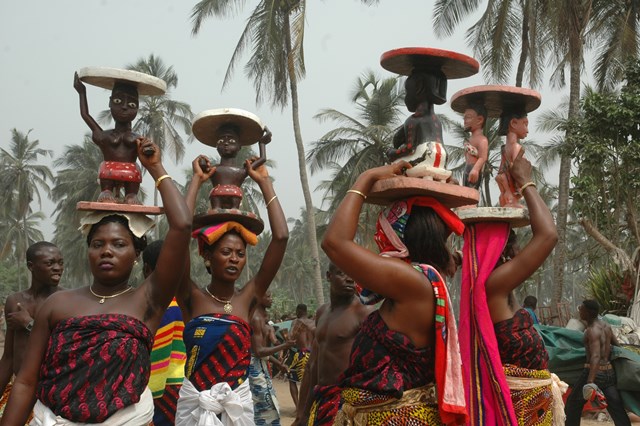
139, 414
201, 408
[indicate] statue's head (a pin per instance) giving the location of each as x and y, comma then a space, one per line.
228, 140
123, 102
514, 121
425, 85
474, 117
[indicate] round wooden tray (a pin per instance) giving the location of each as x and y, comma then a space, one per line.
214, 216
146, 84
404, 60
386, 191
118, 207
496, 99
516, 217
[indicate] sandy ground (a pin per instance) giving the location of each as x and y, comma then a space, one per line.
287, 410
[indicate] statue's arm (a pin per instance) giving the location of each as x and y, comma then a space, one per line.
84, 107
402, 146
262, 144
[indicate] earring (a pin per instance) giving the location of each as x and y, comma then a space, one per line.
135, 262
207, 263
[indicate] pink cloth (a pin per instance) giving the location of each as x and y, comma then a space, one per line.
487, 393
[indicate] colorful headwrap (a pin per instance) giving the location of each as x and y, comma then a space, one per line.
393, 220
390, 232
208, 235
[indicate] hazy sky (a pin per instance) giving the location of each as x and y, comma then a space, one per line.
43, 43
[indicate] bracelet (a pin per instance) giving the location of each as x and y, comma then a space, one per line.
271, 200
526, 185
160, 179
355, 191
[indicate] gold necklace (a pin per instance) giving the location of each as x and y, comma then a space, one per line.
102, 298
227, 303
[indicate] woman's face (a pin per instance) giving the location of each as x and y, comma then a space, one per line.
227, 257
111, 253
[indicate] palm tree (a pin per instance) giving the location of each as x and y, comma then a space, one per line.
503, 28
22, 177
276, 32
19, 232
360, 142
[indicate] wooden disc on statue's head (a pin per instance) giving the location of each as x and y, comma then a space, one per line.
207, 124
118, 207
405, 60
215, 216
147, 85
496, 99
386, 191
516, 217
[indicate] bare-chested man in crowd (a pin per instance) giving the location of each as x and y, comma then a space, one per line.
301, 332
265, 403
598, 373
45, 263
337, 323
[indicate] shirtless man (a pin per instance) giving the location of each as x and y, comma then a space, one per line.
118, 145
45, 262
302, 332
337, 323
476, 149
598, 372
265, 404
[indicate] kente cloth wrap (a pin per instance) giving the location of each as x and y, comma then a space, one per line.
386, 362
5, 398
226, 191
485, 385
168, 358
138, 414
415, 407
296, 359
218, 406
94, 366
536, 396
265, 403
326, 402
120, 171
519, 342
207, 235
217, 350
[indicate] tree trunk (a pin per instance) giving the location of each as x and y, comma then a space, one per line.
525, 44
304, 179
576, 47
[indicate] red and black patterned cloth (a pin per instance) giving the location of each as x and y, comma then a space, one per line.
217, 350
385, 361
519, 342
326, 402
94, 366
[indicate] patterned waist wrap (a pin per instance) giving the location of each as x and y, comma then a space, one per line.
417, 406
226, 191
217, 350
121, 171
520, 344
326, 402
94, 366
536, 396
385, 361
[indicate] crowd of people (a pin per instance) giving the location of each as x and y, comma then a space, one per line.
387, 350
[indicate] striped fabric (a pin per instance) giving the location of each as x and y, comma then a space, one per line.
168, 357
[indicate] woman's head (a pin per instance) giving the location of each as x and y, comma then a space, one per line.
113, 249
426, 236
511, 249
226, 257
139, 243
